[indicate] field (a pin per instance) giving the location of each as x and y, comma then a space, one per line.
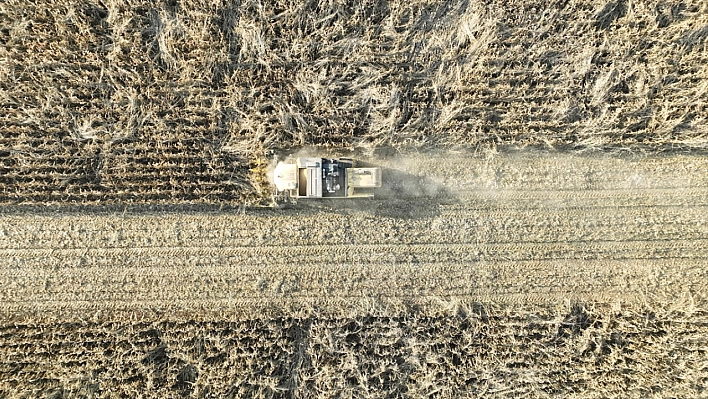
542, 230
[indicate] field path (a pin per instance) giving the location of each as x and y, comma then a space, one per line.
445, 229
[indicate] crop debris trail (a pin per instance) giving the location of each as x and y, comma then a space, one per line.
514, 228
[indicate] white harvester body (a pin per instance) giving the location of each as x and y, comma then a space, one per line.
325, 178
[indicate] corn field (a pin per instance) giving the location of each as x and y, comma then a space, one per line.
541, 230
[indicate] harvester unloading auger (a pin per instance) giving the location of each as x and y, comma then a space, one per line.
325, 178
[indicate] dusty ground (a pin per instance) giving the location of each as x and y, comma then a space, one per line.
550, 262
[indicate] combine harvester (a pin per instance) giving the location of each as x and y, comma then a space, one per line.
324, 178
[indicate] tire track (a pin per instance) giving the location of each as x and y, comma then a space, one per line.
542, 250
529, 224
433, 278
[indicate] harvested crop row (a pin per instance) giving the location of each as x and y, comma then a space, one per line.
263, 304
347, 288
471, 227
506, 245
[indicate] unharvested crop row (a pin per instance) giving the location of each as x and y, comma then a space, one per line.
90, 91
576, 350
